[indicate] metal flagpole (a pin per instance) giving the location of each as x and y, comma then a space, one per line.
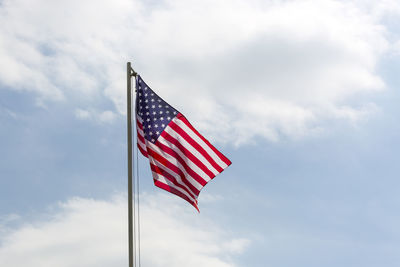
130, 72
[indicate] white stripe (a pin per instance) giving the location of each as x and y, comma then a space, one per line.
176, 176
189, 147
188, 162
163, 180
140, 131
198, 140
139, 119
142, 145
175, 162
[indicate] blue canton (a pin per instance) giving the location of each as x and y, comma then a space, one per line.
155, 112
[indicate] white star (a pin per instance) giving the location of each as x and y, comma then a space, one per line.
156, 125
153, 106
146, 101
163, 125
174, 112
159, 106
160, 112
159, 100
147, 113
152, 140
152, 94
147, 107
162, 118
157, 133
150, 133
167, 111
154, 119
166, 106
168, 118
152, 100
149, 126
145, 94
154, 113
145, 88
148, 119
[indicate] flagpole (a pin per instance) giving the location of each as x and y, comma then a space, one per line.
130, 72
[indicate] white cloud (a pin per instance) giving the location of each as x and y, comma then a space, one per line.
106, 116
380, 8
82, 114
237, 70
87, 232
396, 48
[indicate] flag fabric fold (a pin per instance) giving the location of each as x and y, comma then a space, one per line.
182, 161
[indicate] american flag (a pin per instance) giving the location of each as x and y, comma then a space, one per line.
182, 161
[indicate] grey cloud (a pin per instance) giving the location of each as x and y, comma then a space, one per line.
302, 61
87, 232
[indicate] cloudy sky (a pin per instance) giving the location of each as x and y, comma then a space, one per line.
302, 96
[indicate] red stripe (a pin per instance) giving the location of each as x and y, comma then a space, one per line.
139, 125
170, 178
201, 150
140, 137
219, 154
144, 153
187, 153
173, 168
192, 173
176, 192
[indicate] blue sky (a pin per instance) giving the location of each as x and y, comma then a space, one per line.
301, 96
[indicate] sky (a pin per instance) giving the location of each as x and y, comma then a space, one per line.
302, 96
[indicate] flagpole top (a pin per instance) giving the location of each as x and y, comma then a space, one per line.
132, 71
